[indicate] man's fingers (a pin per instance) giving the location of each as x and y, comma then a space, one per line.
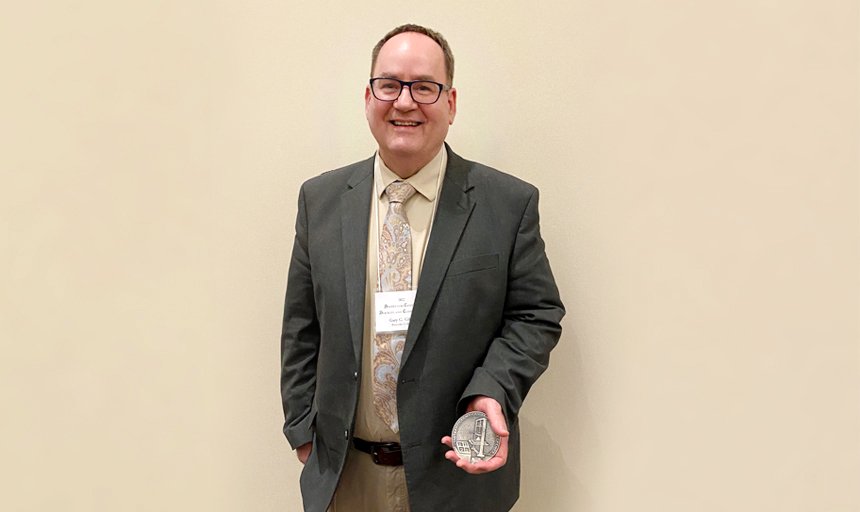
303, 452
483, 466
476, 468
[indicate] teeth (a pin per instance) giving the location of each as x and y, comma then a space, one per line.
404, 123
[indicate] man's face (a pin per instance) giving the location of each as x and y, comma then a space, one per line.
410, 134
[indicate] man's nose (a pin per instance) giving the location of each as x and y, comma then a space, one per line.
405, 101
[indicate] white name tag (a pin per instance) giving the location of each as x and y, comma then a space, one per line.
393, 310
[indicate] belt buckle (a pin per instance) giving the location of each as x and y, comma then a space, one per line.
382, 448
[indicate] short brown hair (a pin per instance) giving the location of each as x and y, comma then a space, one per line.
432, 34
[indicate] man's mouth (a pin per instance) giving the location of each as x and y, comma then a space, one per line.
405, 123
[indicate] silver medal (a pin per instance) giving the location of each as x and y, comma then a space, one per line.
473, 438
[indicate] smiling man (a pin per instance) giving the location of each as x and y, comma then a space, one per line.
418, 290
410, 123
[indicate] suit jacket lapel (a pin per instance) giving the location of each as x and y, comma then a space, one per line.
452, 213
355, 215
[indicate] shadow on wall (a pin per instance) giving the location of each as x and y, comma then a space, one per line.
559, 439
547, 483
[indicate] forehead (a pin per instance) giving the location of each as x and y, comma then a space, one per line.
410, 56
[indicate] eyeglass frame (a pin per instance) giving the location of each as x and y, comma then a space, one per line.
442, 87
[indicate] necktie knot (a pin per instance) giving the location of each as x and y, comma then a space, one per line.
399, 192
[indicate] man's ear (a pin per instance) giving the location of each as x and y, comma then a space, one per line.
366, 100
452, 104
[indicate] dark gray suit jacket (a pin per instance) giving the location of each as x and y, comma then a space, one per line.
486, 316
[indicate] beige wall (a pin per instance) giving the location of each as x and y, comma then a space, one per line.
698, 163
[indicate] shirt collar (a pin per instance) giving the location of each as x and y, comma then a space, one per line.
424, 181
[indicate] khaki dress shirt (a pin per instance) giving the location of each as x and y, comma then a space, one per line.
363, 485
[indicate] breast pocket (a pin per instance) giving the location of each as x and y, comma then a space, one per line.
473, 264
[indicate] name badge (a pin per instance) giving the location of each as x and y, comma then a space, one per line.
393, 310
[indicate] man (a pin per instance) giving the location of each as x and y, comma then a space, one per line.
369, 401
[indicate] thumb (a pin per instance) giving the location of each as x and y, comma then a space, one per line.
497, 421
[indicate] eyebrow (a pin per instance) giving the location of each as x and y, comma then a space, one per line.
427, 78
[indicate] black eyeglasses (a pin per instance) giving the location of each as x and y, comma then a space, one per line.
424, 92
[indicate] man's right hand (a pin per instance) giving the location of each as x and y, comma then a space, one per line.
303, 452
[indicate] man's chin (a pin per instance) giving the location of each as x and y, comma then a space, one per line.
404, 150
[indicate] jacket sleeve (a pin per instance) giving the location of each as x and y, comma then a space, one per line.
300, 339
530, 325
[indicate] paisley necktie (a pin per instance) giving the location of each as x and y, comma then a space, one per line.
395, 275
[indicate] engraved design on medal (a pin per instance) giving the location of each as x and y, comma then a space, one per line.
473, 437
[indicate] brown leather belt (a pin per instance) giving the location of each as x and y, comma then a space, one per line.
384, 454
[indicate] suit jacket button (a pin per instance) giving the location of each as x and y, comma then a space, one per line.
346, 434
355, 376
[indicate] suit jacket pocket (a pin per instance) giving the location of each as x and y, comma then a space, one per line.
473, 264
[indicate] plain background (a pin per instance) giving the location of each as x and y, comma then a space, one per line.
698, 167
